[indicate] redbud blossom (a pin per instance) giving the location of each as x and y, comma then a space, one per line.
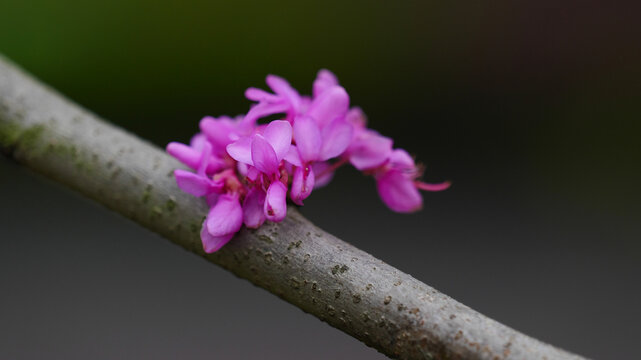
245, 169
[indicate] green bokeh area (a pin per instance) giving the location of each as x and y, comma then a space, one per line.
138, 60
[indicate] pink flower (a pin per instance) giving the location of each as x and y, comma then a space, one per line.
275, 207
397, 185
330, 100
324, 80
192, 154
314, 144
198, 184
369, 149
244, 169
331, 104
254, 208
264, 152
223, 131
284, 100
222, 191
223, 221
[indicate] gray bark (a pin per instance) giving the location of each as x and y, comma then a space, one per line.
313, 270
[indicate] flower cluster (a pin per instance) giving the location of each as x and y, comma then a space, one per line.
245, 169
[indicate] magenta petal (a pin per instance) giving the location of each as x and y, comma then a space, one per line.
226, 217
308, 138
255, 94
276, 202
263, 155
369, 150
279, 135
264, 109
253, 213
400, 159
206, 157
212, 199
185, 154
293, 157
192, 157
324, 80
242, 127
240, 150
336, 138
278, 84
218, 131
356, 117
322, 174
282, 87
194, 184
302, 184
331, 104
213, 243
253, 174
305, 102
198, 141
398, 192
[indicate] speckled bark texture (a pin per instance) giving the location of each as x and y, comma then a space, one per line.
324, 276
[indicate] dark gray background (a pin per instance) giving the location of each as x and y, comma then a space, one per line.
532, 109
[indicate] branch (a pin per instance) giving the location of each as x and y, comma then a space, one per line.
324, 276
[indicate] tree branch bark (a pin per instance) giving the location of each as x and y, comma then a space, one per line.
324, 276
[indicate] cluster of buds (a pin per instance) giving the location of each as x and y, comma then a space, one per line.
246, 169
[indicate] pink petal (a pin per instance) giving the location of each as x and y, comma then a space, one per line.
263, 155
282, 87
198, 141
265, 109
288, 167
240, 150
253, 213
400, 159
253, 173
324, 80
184, 154
322, 174
398, 192
218, 131
205, 158
194, 184
356, 117
293, 157
226, 217
279, 135
308, 138
213, 243
305, 102
336, 138
191, 157
212, 199
332, 103
275, 207
370, 150
243, 128
255, 94
302, 184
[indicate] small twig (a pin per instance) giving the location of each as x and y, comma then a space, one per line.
324, 276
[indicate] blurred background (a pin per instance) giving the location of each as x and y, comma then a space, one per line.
530, 108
